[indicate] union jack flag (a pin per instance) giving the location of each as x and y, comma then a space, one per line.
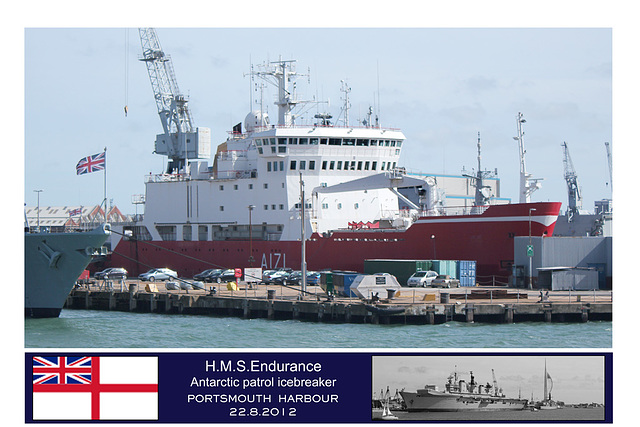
62, 370
94, 163
95, 388
76, 211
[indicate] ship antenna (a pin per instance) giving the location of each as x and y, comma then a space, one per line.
378, 82
527, 184
303, 266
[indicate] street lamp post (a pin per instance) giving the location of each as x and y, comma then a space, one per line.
530, 252
251, 207
433, 239
38, 192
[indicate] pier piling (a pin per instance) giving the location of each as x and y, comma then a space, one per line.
488, 306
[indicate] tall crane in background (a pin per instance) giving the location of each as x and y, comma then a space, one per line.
181, 140
571, 178
608, 148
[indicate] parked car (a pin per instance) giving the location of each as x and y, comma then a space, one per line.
158, 274
296, 277
313, 278
207, 274
111, 274
421, 278
266, 274
226, 276
277, 276
445, 281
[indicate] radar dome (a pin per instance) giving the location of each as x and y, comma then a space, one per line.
256, 119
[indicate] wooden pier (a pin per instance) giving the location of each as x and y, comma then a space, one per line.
421, 306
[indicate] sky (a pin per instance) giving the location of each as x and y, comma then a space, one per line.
440, 86
576, 378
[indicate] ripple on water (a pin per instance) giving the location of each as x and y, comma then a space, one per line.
104, 329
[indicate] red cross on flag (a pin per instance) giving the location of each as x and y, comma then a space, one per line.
89, 164
95, 388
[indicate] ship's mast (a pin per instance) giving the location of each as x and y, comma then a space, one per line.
527, 184
483, 192
547, 390
347, 105
282, 75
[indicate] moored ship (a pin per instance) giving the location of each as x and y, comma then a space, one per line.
337, 186
460, 395
53, 263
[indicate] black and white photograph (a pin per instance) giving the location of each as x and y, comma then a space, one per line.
485, 387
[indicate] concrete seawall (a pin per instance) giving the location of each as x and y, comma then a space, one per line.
408, 306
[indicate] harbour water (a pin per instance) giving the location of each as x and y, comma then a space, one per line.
114, 329
563, 414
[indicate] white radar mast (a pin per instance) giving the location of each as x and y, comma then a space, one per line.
282, 74
527, 184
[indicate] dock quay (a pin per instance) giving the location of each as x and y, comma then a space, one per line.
406, 306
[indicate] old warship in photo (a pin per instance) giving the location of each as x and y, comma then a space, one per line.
462, 395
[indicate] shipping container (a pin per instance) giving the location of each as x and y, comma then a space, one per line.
404, 268
466, 273
342, 281
449, 267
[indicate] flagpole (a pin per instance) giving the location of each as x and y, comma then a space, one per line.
105, 184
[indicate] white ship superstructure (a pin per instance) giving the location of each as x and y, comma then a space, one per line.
263, 167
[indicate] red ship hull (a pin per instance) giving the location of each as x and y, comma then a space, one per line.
487, 239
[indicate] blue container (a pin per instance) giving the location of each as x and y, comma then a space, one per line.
466, 273
342, 281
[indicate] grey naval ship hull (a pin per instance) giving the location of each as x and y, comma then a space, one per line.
433, 401
52, 264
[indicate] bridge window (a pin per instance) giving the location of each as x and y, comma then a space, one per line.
186, 233
292, 165
167, 232
203, 232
